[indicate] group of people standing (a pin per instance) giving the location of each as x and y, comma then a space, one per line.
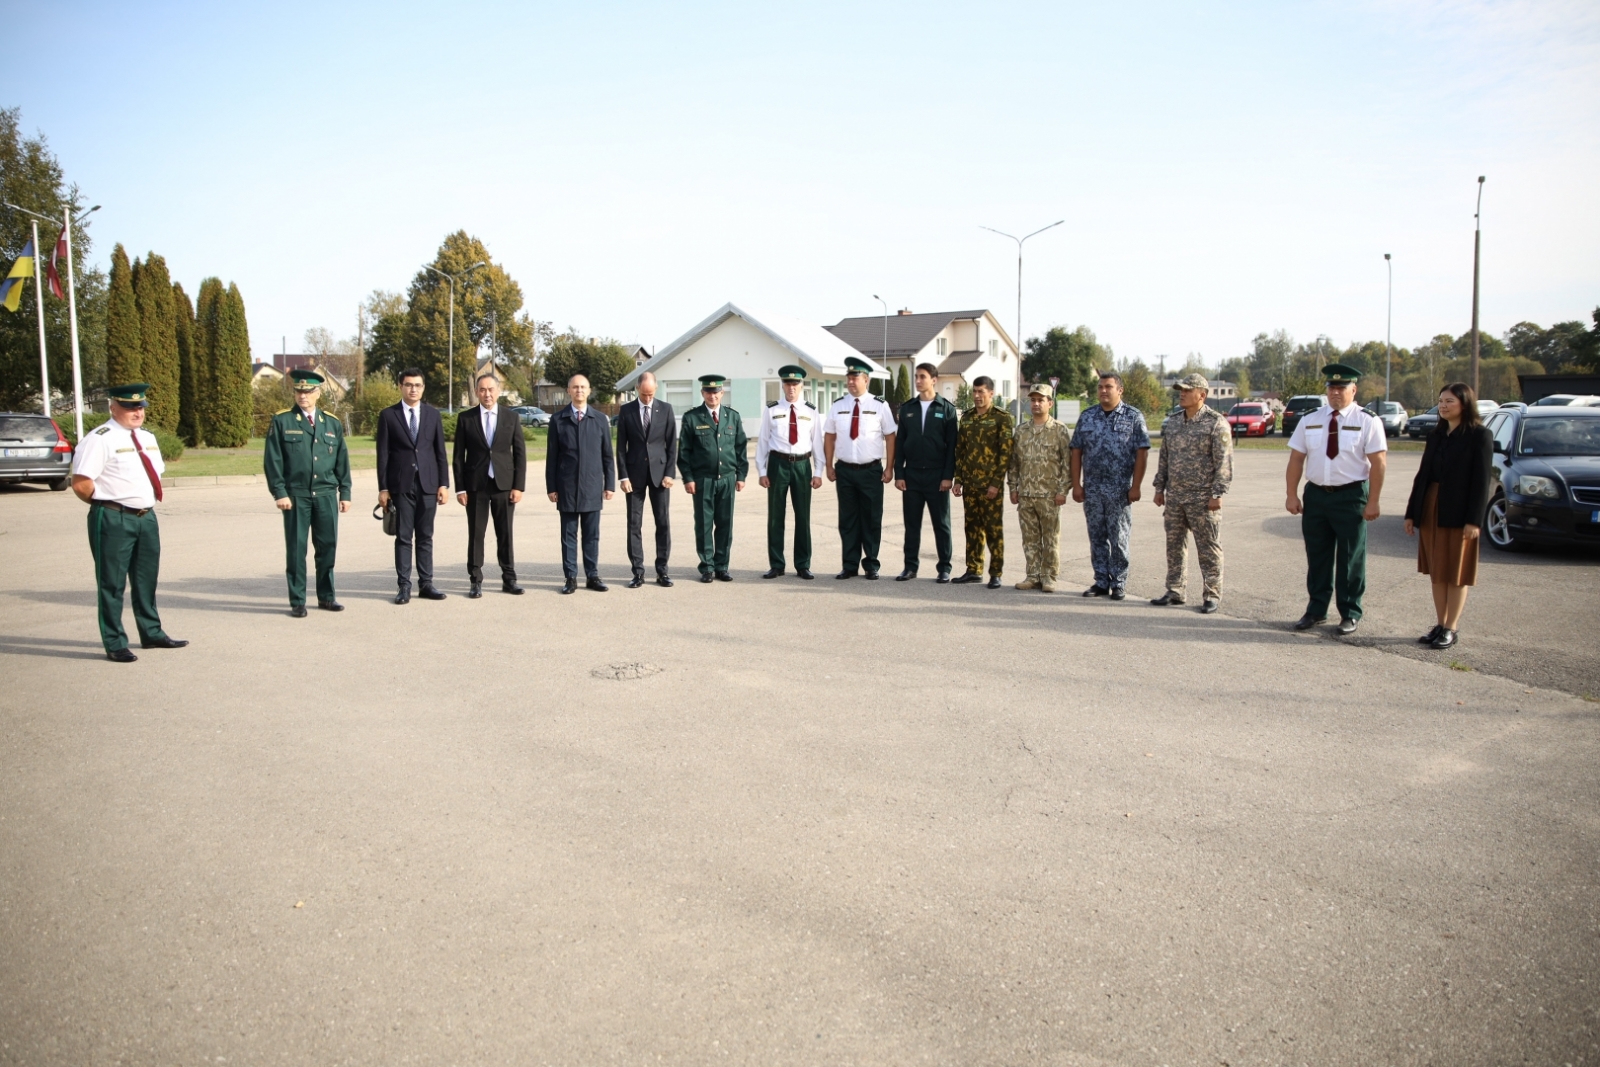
928, 449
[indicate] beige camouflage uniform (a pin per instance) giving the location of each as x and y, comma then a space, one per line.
1040, 472
1196, 464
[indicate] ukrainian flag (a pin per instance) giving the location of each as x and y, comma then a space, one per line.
11, 289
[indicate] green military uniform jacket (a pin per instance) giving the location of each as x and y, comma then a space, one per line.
983, 448
712, 448
300, 461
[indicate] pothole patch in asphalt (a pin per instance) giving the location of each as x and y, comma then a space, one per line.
625, 672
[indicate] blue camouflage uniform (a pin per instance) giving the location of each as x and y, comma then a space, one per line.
1110, 442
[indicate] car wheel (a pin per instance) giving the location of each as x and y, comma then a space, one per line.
60, 484
1497, 526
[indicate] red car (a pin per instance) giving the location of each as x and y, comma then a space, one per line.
1251, 420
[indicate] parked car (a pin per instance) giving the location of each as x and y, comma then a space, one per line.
1297, 408
529, 415
1561, 400
1547, 477
1251, 420
1393, 416
33, 449
1422, 425
1487, 407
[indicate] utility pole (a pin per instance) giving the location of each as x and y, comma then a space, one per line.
1019, 241
1388, 333
1477, 247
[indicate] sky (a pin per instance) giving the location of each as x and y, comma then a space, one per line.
1222, 170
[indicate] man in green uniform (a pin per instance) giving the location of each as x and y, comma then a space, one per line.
308, 474
983, 455
789, 464
925, 468
713, 465
116, 470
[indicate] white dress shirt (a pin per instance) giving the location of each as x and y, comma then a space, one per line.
108, 456
411, 415
1359, 434
877, 422
774, 435
488, 416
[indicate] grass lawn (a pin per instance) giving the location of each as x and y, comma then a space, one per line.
206, 462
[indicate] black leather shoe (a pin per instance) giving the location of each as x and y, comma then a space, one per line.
906, 575
428, 592
1427, 638
121, 655
802, 572
993, 582
967, 579
1097, 590
1445, 639
842, 575
870, 576
775, 572
1169, 597
403, 597
663, 581
637, 582
1306, 622
329, 605
1119, 593
510, 587
1346, 627
723, 576
1208, 606
298, 611
943, 578
570, 586
476, 592
162, 642
706, 579
596, 585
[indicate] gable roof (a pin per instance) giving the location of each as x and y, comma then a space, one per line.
908, 334
960, 362
812, 346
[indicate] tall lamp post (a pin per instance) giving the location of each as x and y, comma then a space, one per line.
67, 222
1477, 244
451, 278
1388, 335
1019, 241
885, 304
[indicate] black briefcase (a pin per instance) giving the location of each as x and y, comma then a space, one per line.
389, 517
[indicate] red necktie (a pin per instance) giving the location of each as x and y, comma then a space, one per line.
855, 422
794, 427
1333, 435
714, 417
149, 468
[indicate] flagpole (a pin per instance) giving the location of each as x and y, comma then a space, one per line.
38, 300
72, 319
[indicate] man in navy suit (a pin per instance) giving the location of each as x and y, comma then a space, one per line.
647, 461
413, 476
580, 476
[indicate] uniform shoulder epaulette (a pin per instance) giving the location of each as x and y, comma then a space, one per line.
104, 429
772, 403
283, 411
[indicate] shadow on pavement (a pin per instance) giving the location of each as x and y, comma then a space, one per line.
54, 648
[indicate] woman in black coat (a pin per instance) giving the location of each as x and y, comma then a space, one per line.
1447, 503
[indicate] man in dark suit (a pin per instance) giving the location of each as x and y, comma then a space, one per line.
491, 468
580, 476
647, 461
925, 465
414, 478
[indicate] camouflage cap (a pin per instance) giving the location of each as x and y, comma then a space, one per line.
1042, 389
1192, 381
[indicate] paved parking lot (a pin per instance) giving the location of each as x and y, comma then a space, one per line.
792, 823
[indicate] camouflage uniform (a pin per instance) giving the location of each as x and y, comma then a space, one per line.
983, 454
1041, 471
1196, 464
1110, 442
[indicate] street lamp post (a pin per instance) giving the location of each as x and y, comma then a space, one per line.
1477, 244
451, 278
72, 299
38, 300
1019, 241
885, 304
1388, 333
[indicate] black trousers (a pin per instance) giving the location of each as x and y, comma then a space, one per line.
415, 511
590, 521
924, 493
484, 506
660, 508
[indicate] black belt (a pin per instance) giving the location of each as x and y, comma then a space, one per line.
858, 466
114, 506
791, 457
1334, 488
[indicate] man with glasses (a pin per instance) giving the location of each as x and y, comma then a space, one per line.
414, 479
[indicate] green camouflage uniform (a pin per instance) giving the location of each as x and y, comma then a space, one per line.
983, 454
1041, 471
1195, 464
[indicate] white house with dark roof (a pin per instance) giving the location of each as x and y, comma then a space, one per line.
748, 346
964, 345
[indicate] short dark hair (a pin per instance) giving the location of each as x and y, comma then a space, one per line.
983, 381
1114, 376
932, 371
487, 374
1469, 407
413, 372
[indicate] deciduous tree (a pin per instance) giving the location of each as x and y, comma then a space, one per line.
1069, 355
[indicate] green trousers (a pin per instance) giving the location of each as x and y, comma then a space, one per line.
790, 479
713, 521
127, 552
984, 521
1335, 534
860, 492
318, 516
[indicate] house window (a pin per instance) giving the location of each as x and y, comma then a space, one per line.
940, 345
994, 349
680, 394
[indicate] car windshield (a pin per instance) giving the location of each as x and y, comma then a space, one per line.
1247, 409
26, 428
1560, 437
1305, 404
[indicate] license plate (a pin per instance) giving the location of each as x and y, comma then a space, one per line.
26, 453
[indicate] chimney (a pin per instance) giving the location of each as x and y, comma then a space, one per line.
903, 311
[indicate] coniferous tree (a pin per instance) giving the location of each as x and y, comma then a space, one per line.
902, 387
183, 332
230, 371
158, 342
124, 351
207, 405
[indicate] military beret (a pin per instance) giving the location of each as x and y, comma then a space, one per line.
854, 365
1340, 374
306, 380
131, 395
792, 373
1193, 381
709, 382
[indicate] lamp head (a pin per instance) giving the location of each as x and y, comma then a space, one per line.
1386, 256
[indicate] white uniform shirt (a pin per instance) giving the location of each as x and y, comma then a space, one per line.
774, 435
877, 422
107, 455
1359, 434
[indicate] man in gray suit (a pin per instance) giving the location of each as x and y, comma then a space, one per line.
580, 476
647, 461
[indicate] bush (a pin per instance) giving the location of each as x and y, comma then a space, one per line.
171, 444
449, 420
378, 391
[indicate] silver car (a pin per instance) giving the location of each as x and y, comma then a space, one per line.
1393, 417
33, 449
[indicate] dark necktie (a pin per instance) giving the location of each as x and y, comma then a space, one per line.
855, 422
644, 412
149, 468
794, 427
1333, 435
412, 413
714, 417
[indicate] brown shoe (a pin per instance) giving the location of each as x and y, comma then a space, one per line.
1028, 583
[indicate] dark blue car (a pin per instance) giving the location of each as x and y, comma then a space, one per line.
1547, 474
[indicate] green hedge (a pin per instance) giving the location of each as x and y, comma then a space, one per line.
171, 444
